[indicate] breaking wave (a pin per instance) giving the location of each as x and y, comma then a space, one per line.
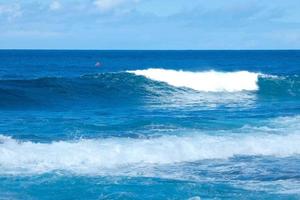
140, 86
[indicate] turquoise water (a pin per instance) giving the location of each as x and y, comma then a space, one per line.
149, 124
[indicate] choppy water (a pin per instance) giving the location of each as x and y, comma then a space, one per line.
149, 125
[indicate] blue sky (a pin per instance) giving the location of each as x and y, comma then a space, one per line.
150, 24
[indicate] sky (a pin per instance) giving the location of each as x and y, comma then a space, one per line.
150, 24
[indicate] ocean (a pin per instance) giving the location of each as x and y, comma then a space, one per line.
191, 125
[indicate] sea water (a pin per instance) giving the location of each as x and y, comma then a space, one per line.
149, 124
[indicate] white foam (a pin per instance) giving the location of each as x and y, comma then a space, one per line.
209, 81
93, 155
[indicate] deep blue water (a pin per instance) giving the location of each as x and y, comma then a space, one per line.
149, 124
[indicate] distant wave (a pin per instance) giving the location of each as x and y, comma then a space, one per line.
92, 155
209, 81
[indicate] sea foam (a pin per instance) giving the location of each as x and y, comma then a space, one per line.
278, 137
208, 81
94, 155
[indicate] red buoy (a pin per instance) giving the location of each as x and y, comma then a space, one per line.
98, 64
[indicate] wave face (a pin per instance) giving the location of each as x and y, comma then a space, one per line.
95, 155
89, 90
210, 81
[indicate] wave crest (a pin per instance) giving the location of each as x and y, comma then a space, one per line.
209, 81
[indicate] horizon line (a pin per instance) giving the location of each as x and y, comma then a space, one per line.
78, 49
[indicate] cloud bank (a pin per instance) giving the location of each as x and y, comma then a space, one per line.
151, 24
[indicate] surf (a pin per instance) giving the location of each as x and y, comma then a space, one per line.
96, 154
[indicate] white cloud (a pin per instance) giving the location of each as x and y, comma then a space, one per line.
11, 11
55, 5
108, 5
